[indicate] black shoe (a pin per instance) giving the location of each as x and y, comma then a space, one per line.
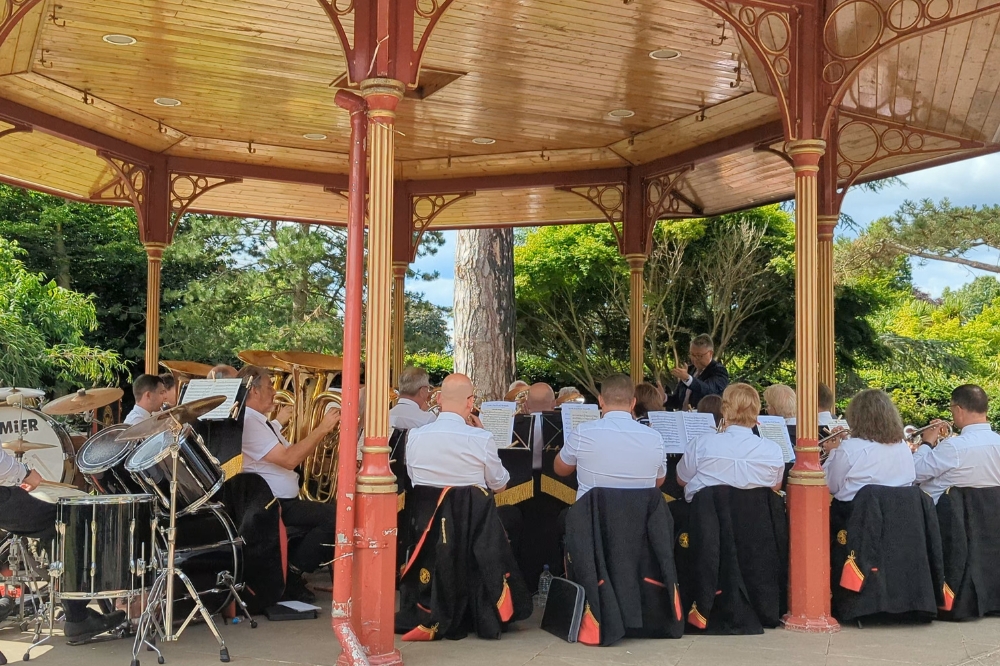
296, 590
7, 606
78, 633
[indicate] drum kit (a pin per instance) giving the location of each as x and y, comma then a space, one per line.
152, 534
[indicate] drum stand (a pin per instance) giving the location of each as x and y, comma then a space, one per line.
157, 619
25, 575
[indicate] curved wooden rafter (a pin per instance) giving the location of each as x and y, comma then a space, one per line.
902, 20
128, 185
185, 188
424, 208
11, 13
14, 128
662, 199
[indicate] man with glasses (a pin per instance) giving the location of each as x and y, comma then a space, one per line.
410, 410
704, 376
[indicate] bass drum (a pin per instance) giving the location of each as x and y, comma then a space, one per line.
54, 464
207, 545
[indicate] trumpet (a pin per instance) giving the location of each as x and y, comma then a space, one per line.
838, 434
914, 435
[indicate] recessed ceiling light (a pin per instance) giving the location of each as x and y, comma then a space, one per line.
483, 140
166, 101
119, 40
621, 113
314, 136
664, 54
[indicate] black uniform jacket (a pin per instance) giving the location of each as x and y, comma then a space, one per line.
257, 518
732, 560
713, 381
461, 575
886, 554
619, 548
970, 537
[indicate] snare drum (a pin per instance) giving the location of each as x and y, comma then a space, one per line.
104, 545
102, 461
54, 464
199, 477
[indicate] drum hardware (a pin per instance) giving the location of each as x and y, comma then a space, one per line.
25, 574
83, 401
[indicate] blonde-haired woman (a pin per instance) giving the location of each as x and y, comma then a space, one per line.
734, 457
874, 454
779, 400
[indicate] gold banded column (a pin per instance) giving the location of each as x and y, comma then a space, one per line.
637, 329
375, 531
154, 258
398, 318
825, 298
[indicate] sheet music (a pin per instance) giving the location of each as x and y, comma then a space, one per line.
206, 388
697, 424
573, 414
671, 427
774, 429
498, 418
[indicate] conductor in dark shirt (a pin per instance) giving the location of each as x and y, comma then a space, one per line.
705, 376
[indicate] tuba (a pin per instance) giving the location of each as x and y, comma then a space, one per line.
185, 371
313, 376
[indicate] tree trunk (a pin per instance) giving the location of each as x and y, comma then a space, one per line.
484, 309
62, 260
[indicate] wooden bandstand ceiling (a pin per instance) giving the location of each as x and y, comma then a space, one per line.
539, 77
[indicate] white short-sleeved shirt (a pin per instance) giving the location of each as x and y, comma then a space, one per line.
136, 416
826, 419
406, 415
735, 457
857, 463
12, 472
970, 460
259, 437
450, 452
614, 452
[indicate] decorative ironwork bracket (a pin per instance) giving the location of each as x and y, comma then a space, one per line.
185, 188
14, 127
662, 198
11, 13
128, 185
610, 200
377, 49
424, 208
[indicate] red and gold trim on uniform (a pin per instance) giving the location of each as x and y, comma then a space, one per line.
421, 633
423, 536
949, 598
505, 605
695, 618
590, 628
677, 604
851, 577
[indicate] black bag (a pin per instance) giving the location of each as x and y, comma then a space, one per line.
564, 609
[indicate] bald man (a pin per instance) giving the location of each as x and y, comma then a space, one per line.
541, 398
450, 452
223, 371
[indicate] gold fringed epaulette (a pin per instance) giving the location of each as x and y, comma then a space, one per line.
400, 501
232, 467
669, 498
851, 578
516, 495
558, 489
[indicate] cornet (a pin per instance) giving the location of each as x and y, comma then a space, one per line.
914, 435
839, 434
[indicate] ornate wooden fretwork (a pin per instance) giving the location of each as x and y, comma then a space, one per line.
127, 186
424, 208
885, 25
186, 187
883, 139
608, 198
11, 13
663, 199
373, 49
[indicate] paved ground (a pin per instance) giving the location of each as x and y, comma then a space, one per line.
311, 642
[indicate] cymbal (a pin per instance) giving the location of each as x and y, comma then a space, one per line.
21, 446
311, 360
161, 421
33, 394
82, 401
264, 359
189, 368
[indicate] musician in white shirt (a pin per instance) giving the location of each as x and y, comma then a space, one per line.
267, 453
734, 457
614, 451
826, 406
150, 395
450, 451
969, 460
875, 453
410, 411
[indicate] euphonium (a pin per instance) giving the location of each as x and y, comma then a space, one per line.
319, 470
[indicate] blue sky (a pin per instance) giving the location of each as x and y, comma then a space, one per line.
964, 183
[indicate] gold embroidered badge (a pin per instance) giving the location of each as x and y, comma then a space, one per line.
683, 540
842, 537
425, 576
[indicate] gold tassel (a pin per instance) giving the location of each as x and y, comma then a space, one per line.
400, 501
558, 489
516, 495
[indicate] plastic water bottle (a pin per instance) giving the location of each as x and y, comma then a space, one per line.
544, 582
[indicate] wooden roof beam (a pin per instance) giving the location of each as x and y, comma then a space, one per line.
727, 145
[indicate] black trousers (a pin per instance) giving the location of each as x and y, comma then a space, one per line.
318, 522
27, 516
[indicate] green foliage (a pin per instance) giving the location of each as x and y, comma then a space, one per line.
438, 366
425, 328
42, 327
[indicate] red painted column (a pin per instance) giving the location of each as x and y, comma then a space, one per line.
808, 495
352, 652
375, 536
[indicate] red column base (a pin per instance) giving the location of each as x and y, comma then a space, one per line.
811, 625
392, 659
